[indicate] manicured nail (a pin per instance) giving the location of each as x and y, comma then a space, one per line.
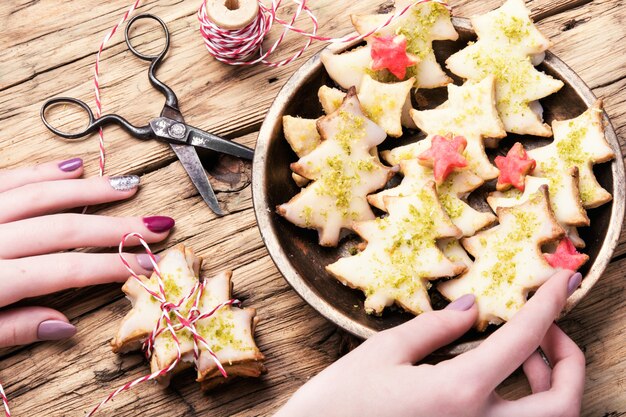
124, 182
573, 283
70, 165
55, 330
143, 259
159, 224
462, 303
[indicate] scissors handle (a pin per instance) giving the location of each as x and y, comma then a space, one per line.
94, 124
170, 98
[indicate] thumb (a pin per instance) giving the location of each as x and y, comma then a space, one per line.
419, 337
25, 325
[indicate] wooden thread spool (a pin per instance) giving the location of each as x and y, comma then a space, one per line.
232, 14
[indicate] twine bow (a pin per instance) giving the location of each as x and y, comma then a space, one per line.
184, 321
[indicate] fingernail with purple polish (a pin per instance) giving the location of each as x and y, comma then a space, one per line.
70, 165
158, 224
143, 259
124, 182
55, 330
573, 283
462, 303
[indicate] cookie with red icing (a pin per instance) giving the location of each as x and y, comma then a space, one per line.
513, 168
566, 256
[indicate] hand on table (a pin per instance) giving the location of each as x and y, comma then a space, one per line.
379, 378
31, 236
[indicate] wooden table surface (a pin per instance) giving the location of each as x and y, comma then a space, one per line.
47, 48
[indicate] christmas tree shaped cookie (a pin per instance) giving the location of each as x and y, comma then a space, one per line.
401, 254
229, 332
385, 104
507, 42
421, 25
451, 192
343, 173
564, 200
469, 112
508, 262
579, 143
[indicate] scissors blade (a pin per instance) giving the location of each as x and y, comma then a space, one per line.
191, 162
202, 139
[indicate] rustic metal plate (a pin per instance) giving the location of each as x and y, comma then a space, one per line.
301, 260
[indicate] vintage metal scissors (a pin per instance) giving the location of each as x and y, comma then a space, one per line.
169, 127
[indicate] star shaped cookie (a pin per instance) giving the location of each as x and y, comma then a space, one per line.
507, 43
343, 171
508, 262
513, 168
401, 255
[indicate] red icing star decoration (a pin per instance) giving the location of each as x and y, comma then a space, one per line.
566, 256
444, 155
514, 168
389, 52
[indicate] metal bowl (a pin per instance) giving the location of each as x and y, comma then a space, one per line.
301, 260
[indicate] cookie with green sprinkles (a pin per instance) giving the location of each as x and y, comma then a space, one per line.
452, 192
508, 261
385, 104
564, 199
469, 112
509, 46
343, 172
229, 332
579, 143
402, 255
422, 24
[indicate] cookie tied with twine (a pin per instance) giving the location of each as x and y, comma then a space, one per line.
232, 14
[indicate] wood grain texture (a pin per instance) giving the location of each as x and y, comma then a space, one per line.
55, 56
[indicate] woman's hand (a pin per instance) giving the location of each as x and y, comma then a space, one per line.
379, 378
31, 236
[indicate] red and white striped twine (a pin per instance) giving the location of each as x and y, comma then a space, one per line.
5, 402
96, 79
236, 47
184, 321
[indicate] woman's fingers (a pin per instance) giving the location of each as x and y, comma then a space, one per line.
49, 171
32, 200
568, 381
20, 326
417, 338
537, 372
46, 234
508, 347
45, 274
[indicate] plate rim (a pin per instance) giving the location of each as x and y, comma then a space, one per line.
264, 214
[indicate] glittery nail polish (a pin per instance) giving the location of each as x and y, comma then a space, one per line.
124, 182
70, 165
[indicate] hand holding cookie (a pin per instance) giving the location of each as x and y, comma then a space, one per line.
379, 378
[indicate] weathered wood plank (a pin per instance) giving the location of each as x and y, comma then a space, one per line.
296, 340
